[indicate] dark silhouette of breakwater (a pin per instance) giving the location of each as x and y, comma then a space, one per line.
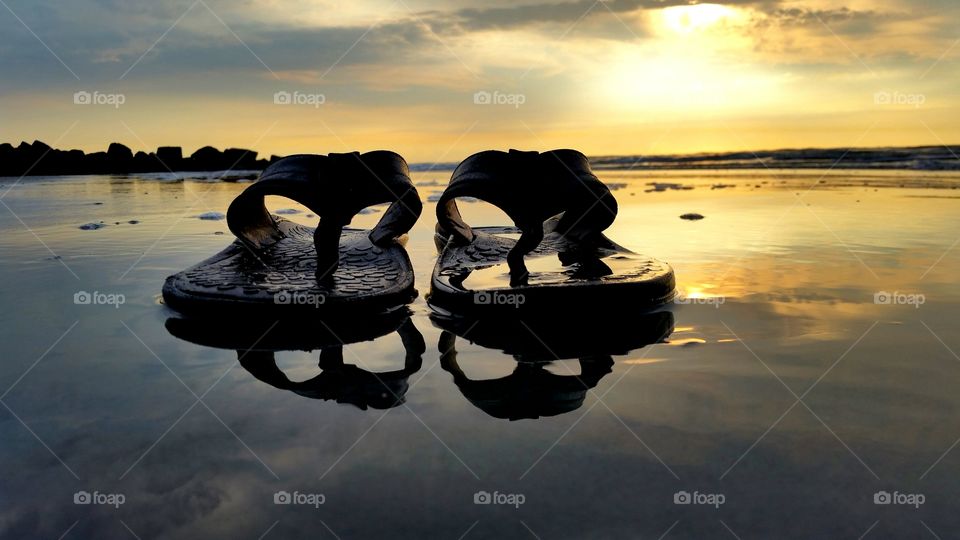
38, 158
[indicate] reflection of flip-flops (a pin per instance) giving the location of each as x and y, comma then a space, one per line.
257, 342
283, 267
547, 337
530, 391
559, 209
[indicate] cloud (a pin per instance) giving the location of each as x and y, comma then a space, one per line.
844, 19
101, 39
567, 13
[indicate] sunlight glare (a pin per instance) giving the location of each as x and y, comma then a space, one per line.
688, 19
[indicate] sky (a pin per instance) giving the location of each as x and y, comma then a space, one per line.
437, 81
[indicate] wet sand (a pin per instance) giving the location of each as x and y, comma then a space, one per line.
812, 365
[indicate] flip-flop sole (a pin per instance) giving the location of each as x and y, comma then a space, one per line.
636, 281
280, 279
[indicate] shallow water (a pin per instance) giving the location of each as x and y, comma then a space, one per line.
787, 390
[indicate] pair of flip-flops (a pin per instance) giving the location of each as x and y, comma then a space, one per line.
558, 206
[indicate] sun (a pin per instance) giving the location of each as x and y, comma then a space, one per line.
689, 19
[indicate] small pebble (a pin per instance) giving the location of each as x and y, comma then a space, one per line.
212, 216
692, 216
92, 226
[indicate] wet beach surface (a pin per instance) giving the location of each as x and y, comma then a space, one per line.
811, 368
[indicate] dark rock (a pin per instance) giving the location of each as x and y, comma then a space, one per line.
171, 157
239, 158
170, 153
207, 158
71, 160
97, 163
158, 165
119, 158
120, 152
40, 147
692, 216
6, 153
142, 162
232, 178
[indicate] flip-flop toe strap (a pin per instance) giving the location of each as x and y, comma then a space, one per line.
530, 187
335, 188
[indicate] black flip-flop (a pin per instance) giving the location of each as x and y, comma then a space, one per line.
559, 209
277, 266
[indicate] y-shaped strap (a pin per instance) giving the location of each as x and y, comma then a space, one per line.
335, 188
262, 364
530, 187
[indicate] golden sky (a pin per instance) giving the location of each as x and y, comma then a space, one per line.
437, 81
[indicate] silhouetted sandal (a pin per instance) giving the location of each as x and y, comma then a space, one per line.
559, 209
278, 266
